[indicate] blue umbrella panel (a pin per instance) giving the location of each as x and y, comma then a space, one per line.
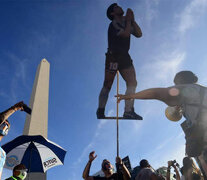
37, 153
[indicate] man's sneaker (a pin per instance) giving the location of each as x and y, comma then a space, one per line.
132, 115
100, 113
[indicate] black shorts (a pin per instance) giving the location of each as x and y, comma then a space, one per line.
117, 61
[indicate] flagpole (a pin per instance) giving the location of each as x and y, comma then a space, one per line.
117, 115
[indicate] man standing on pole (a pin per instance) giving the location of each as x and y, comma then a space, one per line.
118, 58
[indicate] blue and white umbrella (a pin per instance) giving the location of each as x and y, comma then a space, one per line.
37, 153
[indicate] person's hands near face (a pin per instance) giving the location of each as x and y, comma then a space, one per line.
128, 15
131, 14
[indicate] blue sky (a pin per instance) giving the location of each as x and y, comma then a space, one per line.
72, 36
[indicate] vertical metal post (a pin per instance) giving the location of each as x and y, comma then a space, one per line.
117, 115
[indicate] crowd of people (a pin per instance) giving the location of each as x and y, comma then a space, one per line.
144, 171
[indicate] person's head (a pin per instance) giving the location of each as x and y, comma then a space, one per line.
114, 10
4, 128
20, 171
107, 167
144, 163
185, 77
187, 162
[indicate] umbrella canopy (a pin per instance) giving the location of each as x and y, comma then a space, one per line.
37, 153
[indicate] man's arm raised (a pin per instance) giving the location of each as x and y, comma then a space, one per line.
137, 32
127, 31
6, 114
125, 171
170, 96
86, 171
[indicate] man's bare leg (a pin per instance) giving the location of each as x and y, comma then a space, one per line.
103, 97
129, 75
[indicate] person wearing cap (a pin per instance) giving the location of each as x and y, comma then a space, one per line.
118, 58
107, 168
4, 128
191, 99
146, 172
19, 172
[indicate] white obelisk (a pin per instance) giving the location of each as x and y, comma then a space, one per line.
37, 122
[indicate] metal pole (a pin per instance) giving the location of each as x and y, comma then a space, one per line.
117, 115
